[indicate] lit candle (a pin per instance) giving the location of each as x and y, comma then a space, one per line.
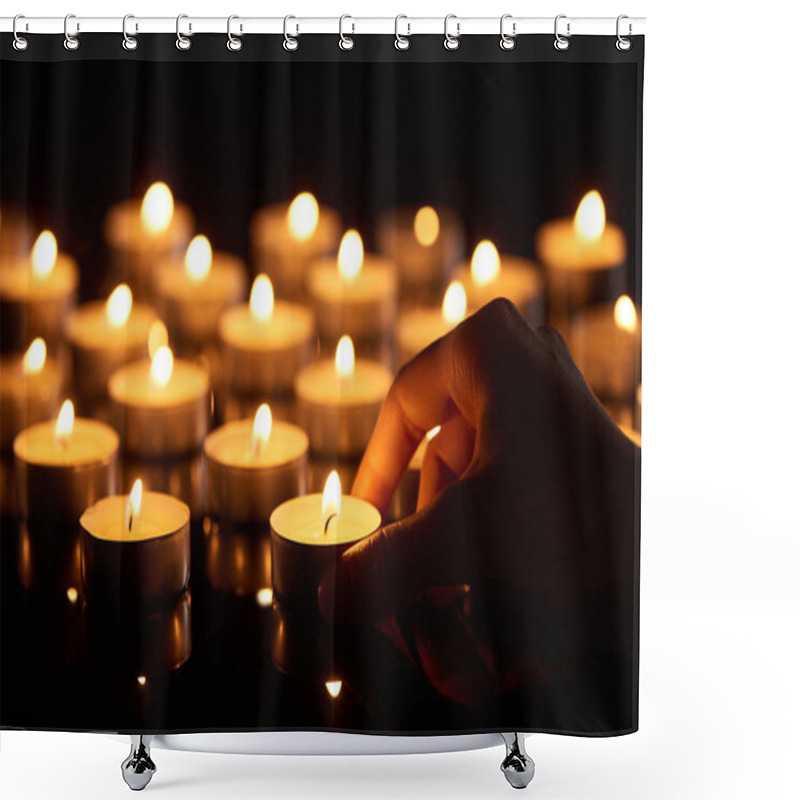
308, 534
286, 237
195, 290
584, 258
490, 275
339, 399
419, 327
425, 244
160, 407
142, 231
36, 293
354, 294
265, 343
104, 335
606, 345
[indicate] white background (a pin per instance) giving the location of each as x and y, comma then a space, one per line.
720, 702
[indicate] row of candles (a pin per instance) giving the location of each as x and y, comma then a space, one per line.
135, 548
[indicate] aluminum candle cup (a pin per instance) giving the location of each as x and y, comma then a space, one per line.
36, 293
157, 416
424, 243
265, 343
286, 237
337, 406
139, 558
142, 231
302, 643
194, 290
490, 275
103, 336
584, 257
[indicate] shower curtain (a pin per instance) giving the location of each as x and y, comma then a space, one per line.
321, 388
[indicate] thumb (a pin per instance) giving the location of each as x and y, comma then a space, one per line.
389, 569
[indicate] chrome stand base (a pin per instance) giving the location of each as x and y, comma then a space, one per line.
517, 766
138, 768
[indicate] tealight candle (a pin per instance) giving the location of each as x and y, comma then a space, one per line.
490, 275
254, 465
354, 294
425, 244
339, 399
265, 343
419, 327
308, 535
584, 258
606, 344
141, 232
160, 407
286, 237
36, 294
135, 548
103, 336
193, 293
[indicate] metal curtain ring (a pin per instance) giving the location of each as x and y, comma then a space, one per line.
346, 42
20, 42
623, 43
234, 42
507, 42
182, 42
289, 42
401, 42
70, 42
129, 42
452, 42
561, 42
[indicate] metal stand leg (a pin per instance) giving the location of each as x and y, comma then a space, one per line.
138, 768
517, 766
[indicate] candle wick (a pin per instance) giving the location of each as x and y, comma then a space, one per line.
330, 521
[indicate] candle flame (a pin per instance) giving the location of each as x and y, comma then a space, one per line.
454, 305
351, 255
433, 432
157, 337
118, 306
590, 218
141, 680
334, 688
133, 506
625, 313
35, 356
44, 255
161, 366
157, 208
331, 503
345, 358
264, 597
72, 595
303, 216
262, 427
426, 226
65, 423
262, 299
485, 266
198, 258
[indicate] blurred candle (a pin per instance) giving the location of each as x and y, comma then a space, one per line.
36, 293
160, 407
490, 275
142, 231
339, 399
584, 257
354, 295
419, 327
265, 343
286, 237
104, 335
425, 244
195, 290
